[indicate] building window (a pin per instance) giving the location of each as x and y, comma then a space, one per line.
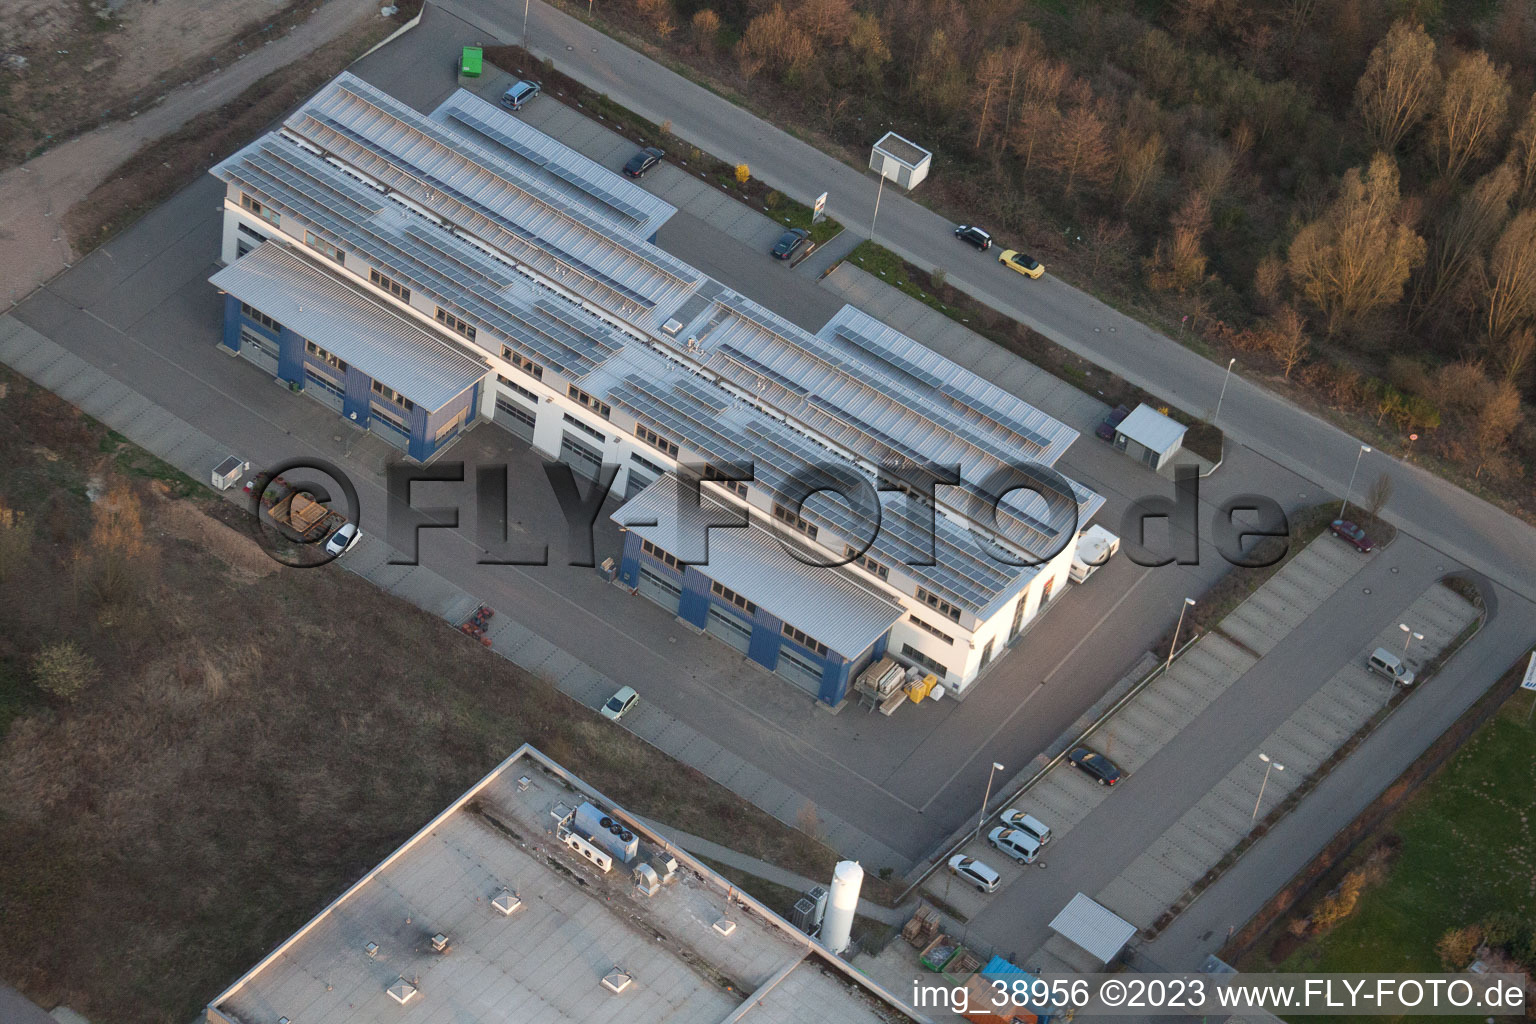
804, 640
452, 425
394, 396
597, 406
523, 363
736, 599
250, 232
939, 605
325, 357
319, 244
515, 386
390, 285
453, 323
908, 651
602, 438
259, 209
640, 460
252, 313
788, 516
655, 440
666, 558
736, 487
868, 564
932, 630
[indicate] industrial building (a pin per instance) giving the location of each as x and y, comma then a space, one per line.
422, 273
511, 905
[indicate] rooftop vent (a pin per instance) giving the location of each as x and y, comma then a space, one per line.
523, 784
283, 1020
401, 991
440, 942
616, 981
725, 926
506, 901
372, 949
672, 326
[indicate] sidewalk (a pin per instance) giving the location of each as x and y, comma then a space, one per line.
195, 453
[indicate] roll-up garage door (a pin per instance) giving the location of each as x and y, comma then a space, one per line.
658, 588
727, 627
799, 669
515, 419
582, 458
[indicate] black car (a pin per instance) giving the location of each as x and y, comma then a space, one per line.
791, 243
1106, 431
1104, 771
643, 161
974, 235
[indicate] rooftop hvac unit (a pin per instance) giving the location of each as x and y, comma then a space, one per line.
616, 981
372, 949
803, 915
440, 942
818, 895
672, 326
401, 991
598, 858
506, 902
606, 832
647, 883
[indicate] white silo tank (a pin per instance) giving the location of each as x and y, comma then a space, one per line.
837, 928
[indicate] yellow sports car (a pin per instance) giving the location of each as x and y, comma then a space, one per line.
1024, 264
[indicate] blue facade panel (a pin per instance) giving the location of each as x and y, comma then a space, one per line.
694, 606
468, 403
355, 399
290, 357
232, 320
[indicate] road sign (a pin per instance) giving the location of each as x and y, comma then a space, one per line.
1529, 682
820, 207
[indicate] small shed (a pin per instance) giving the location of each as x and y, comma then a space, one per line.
1149, 437
1093, 928
900, 160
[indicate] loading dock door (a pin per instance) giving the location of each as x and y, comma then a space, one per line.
725, 626
800, 670
582, 458
515, 419
660, 589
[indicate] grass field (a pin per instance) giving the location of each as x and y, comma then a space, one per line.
253, 741
1467, 850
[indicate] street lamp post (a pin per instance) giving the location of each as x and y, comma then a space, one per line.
1222, 397
987, 797
1268, 764
1409, 635
878, 193
1364, 449
525, 23
1189, 603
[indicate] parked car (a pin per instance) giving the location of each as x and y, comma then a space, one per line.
791, 243
1104, 771
342, 540
1023, 263
1106, 431
974, 235
619, 704
1013, 842
519, 93
1384, 663
1028, 824
643, 161
1351, 534
975, 872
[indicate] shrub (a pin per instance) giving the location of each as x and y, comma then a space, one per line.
62, 670
743, 172
773, 200
1458, 946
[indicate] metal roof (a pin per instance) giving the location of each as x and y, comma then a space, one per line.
578, 179
348, 324
1093, 927
904, 150
823, 602
1150, 428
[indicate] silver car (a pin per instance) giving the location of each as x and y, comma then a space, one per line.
974, 872
1015, 844
1028, 824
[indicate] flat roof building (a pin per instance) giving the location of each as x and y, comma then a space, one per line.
500, 910
421, 274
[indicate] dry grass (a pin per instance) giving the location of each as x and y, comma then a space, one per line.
253, 745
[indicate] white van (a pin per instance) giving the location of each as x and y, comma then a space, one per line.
1015, 844
1028, 824
1384, 663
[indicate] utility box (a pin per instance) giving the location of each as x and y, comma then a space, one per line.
471, 62
900, 160
228, 473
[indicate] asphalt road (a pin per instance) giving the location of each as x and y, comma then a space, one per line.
1444, 516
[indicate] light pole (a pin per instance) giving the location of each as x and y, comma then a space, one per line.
1222, 397
1268, 764
1358, 456
1189, 603
525, 22
988, 796
1409, 637
878, 193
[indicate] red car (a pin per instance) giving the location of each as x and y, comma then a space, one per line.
1350, 534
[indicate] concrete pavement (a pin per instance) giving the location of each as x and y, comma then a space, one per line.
1451, 520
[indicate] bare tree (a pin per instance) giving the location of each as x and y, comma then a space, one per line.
1140, 166
991, 77
1522, 155
1178, 262
1472, 112
1378, 494
1287, 338
1459, 246
1357, 256
705, 30
1269, 281
1109, 246
827, 21
777, 42
1399, 85
1079, 150
868, 43
1032, 131
1510, 295
1513, 353
1498, 418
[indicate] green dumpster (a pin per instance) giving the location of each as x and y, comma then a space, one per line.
470, 61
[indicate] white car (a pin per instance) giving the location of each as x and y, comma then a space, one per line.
342, 540
1015, 844
974, 872
617, 706
1028, 824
